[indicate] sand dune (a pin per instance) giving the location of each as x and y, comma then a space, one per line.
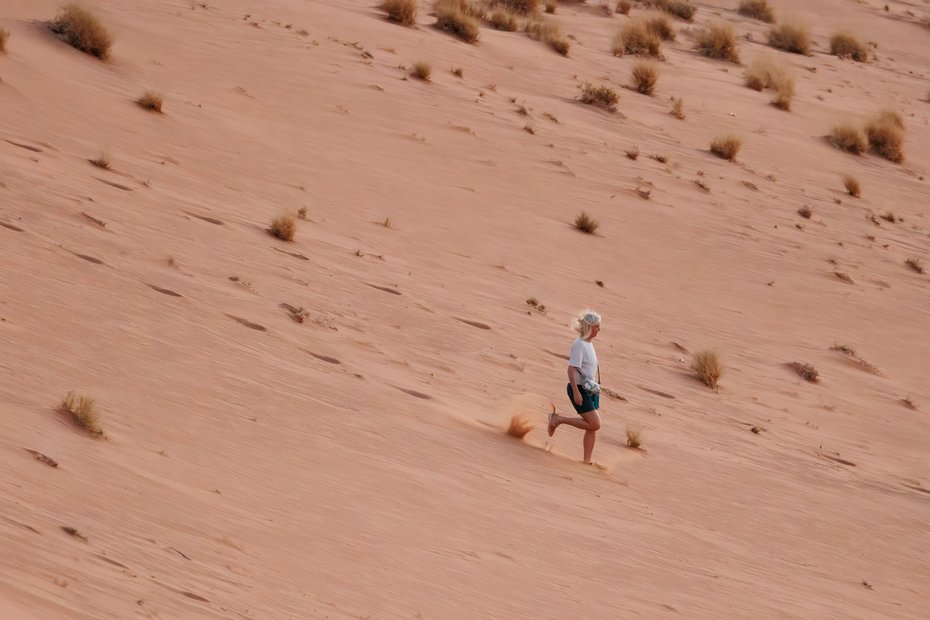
355, 463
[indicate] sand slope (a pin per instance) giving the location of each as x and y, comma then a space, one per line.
354, 465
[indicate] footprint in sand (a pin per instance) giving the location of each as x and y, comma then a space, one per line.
164, 291
248, 323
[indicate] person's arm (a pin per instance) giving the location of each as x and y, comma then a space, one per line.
574, 378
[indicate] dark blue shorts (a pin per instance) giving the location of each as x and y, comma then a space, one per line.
589, 402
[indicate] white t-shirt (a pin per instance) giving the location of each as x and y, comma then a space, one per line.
583, 356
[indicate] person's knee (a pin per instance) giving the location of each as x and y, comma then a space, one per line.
594, 424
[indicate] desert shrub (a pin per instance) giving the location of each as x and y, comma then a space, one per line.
403, 12
708, 368
519, 426
852, 185
633, 153
585, 223
726, 146
791, 37
757, 9
551, 6
846, 45
422, 71
633, 438
885, 133
645, 75
624, 6
806, 371
4, 35
523, 7
760, 72
679, 8
548, 32
502, 19
784, 90
102, 161
660, 25
635, 37
848, 138
457, 18
283, 227
718, 41
81, 409
678, 108
150, 100
599, 95
81, 29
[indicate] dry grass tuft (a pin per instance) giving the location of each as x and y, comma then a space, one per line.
660, 25
805, 212
852, 186
551, 6
81, 29
4, 35
763, 73
885, 133
534, 303
718, 41
678, 108
726, 146
603, 96
502, 19
848, 138
846, 45
302, 213
784, 91
806, 371
458, 72
283, 227
851, 355
586, 224
645, 75
150, 100
635, 37
634, 438
915, 264
791, 37
102, 161
633, 153
521, 7
679, 8
519, 427
403, 12
457, 18
548, 32
708, 367
81, 409
624, 6
422, 71
757, 9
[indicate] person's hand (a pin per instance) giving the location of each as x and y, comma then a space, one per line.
578, 399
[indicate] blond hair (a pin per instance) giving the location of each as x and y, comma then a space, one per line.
585, 321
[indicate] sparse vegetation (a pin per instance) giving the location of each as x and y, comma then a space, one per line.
403, 12
662, 159
791, 37
660, 25
846, 45
150, 100
757, 9
502, 19
283, 227
302, 213
586, 224
635, 37
885, 133
456, 17
81, 29
548, 32
102, 161
534, 303
633, 438
4, 35
422, 71
718, 41
458, 72
678, 109
851, 354
679, 8
645, 75
624, 6
848, 138
551, 6
81, 409
704, 187
708, 368
726, 146
784, 91
852, 185
633, 153
519, 427
521, 7
603, 96
806, 371
915, 264
763, 73
805, 212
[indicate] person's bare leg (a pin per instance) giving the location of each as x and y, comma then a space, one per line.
581, 423
590, 435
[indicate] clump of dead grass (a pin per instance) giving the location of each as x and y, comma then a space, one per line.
678, 108
457, 17
520, 426
806, 212
645, 75
634, 438
551, 6
549, 32
708, 367
586, 224
852, 185
624, 6
502, 19
846, 45
636, 38
81, 29
679, 8
763, 73
81, 409
806, 371
632, 153
848, 138
150, 100
726, 146
521, 7
850, 354
603, 96
404, 12
660, 25
915, 264
422, 71
718, 41
534, 303
791, 37
885, 133
757, 9
283, 227
102, 161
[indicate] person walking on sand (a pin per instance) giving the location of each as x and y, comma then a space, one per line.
583, 390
